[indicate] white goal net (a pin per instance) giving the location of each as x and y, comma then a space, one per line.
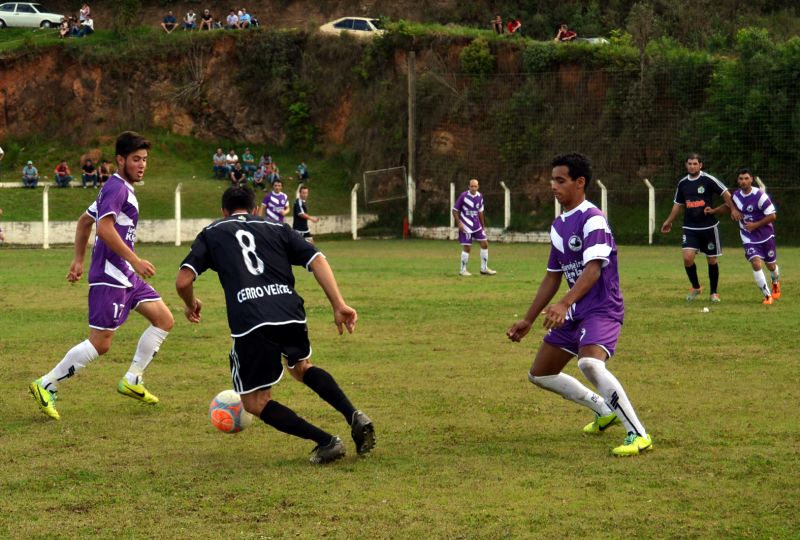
385, 185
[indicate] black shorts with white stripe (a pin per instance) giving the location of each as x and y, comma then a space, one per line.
256, 357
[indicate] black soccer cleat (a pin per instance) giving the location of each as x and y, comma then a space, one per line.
363, 432
330, 452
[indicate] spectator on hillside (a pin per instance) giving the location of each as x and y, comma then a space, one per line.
87, 27
206, 20
274, 173
169, 23
190, 20
30, 175
260, 177
89, 174
302, 172
62, 177
265, 159
232, 21
245, 20
238, 178
220, 164
63, 28
248, 162
231, 159
497, 24
84, 13
565, 34
74, 27
104, 172
514, 26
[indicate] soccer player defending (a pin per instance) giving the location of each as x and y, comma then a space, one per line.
253, 259
275, 205
115, 287
586, 322
700, 228
468, 214
301, 215
757, 232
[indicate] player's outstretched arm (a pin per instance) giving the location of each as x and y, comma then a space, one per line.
343, 315
82, 232
667, 226
184, 284
109, 235
547, 290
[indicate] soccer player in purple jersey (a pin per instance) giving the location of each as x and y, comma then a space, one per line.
586, 322
757, 232
275, 205
468, 214
115, 285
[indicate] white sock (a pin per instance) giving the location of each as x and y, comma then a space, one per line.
484, 259
775, 274
148, 346
570, 388
761, 282
75, 360
464, 260
611, 389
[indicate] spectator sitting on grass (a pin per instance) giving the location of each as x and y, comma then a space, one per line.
274, 173
89, 174
238, 178
190, 20
105, 172
249, 162
565, 34
220, 164
30, 175
206, 20
245, 20
63, 28
260, 177
513, 26
497, 24
232, 21
169, 23
265, 159
231, 159
85, 13
302, 172
87, 27
74, 27
62, 177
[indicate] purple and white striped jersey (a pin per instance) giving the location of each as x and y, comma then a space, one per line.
469, 208
117, 198
275, 204
754, 206
577, 237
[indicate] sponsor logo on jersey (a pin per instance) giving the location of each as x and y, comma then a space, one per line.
575, 243
749, 207
695, 204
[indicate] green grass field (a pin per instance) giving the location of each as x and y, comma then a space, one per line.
467, 447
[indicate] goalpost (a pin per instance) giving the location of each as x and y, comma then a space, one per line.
391, 193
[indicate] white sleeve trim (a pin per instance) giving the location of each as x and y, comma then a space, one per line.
597, 252
190, 267
317, 254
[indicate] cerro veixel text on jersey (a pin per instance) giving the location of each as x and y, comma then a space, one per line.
252, 293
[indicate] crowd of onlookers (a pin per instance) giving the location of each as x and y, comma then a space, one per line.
91, 173
237, 19
79, 26
514, 26
246, 171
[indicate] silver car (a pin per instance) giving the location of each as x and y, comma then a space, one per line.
27, 14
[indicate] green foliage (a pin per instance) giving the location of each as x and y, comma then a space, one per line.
126, 16
538, 57
476, 59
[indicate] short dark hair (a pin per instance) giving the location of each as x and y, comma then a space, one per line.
301, 188
238, 198
129, 142
277, 181
577, 164
744, 170
694, 155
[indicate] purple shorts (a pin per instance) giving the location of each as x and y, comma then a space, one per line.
465, 238
109, 306
571, 336
766, 251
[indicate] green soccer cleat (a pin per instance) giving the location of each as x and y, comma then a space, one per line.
45, 398
693, 293
136, 391
601, 423
634, 445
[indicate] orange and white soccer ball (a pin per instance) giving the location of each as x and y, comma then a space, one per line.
227, 413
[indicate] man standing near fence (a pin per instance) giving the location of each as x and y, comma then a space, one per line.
700, 228
468, 214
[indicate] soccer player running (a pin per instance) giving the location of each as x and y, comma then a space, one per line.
586, 322
115, 285
757, 232
468, 214
253, 259
301, 215
700, 228
275, 205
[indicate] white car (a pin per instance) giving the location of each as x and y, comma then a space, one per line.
362, 27
27, 14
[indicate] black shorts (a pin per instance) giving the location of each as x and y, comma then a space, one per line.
304, 234
704, 240
256, 357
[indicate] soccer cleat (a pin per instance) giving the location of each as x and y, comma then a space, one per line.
715, 299
693, 293
768, 301
136, 391
464, 273
363, 432
488, 272
330, 452
634, 445
601, 423
776, 290
45, 398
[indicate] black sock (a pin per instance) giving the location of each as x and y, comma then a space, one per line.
713, 277
321, 382
285, 419
691, 271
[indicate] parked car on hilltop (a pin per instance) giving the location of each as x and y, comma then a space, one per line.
27, 14
362, 27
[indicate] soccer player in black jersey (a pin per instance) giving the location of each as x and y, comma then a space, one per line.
301, 215
253, 259
700, 228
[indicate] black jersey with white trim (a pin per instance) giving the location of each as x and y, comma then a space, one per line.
253, 259
300, 224
697, 194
